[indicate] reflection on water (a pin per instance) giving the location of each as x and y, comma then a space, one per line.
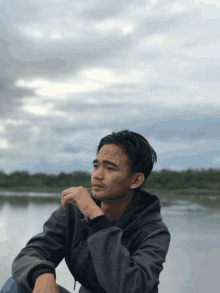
192, 262
165, 199
25, 200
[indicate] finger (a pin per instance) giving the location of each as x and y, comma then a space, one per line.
64, 201
68, 191
65, 205
65, 192
71, 189
68, 198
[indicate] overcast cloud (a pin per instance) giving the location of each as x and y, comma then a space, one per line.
71, 72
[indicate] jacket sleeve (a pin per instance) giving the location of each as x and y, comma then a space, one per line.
43, 252
119, 271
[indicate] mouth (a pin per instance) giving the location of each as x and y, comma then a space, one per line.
97, 186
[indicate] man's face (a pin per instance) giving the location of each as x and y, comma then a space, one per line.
115, 179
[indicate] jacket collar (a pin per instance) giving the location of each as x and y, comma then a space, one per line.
143, 208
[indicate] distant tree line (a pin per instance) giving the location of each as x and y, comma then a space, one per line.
164, 179
62, 180
190, 178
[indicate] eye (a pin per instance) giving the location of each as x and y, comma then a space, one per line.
109, 168
95, 166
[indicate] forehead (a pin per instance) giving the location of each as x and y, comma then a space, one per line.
112, 153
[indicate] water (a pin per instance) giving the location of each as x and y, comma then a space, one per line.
192, 263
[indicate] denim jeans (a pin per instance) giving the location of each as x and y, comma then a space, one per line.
12, 286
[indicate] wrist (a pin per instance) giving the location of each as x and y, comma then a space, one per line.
96, 212
46, 276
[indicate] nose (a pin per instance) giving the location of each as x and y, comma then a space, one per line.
98, 173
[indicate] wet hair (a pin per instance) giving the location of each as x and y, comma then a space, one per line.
141, 156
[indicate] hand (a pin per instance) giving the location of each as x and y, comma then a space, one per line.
46, 283
80, 197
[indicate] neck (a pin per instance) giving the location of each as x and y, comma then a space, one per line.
114, 207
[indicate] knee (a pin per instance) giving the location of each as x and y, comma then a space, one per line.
10, 286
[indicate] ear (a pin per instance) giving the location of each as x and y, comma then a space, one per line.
137, 180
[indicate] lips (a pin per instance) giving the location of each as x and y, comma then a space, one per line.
98, 185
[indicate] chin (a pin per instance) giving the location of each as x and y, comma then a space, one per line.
97, 192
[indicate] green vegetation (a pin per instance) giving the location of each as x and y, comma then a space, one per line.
23, 180
165, 181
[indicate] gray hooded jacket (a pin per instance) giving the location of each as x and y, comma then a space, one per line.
103, 258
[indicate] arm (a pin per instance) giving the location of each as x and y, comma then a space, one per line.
46, 283
119, 271
43, 252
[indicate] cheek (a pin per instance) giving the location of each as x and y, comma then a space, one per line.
118, 181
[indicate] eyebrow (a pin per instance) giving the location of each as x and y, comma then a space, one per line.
106, 162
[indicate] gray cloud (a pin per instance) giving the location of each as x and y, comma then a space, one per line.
184, 159
179, 73
11, 97
150, 55
197, 134
189, 129
190, 45
207, 73
154, 24
17, 11
100, 11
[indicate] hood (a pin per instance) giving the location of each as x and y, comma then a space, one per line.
143, 209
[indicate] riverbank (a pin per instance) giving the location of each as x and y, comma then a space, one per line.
184, 192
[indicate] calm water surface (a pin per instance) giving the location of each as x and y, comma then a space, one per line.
192, 263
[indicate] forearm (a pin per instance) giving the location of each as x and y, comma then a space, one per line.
46, 283
43, 252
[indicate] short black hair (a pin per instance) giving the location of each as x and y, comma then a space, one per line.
141, 156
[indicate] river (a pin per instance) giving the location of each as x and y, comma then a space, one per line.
192, 263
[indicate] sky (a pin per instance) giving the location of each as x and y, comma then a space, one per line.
72, 72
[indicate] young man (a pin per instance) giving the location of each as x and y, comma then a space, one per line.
112, 241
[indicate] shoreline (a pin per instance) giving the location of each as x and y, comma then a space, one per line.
185, 191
